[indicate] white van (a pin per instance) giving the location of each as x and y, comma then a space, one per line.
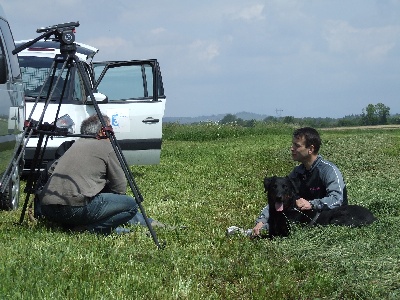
135, 100
12, 116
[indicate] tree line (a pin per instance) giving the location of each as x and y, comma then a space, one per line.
378, 114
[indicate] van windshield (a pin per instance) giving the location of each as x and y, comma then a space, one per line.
35, 71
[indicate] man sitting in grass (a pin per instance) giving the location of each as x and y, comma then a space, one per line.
321, 183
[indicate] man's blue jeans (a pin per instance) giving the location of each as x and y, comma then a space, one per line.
102, 214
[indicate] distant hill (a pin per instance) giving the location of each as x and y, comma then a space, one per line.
349, 120
213, 118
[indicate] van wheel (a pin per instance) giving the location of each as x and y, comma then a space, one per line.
10, 197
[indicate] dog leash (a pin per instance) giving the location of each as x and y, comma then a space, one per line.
297, 191
314, 219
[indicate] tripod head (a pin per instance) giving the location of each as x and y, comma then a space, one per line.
62, 33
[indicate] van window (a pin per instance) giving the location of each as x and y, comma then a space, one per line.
3, 64
129, 82
9, 41
125, 83
35, 71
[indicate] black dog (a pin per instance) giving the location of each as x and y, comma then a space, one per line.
281, 193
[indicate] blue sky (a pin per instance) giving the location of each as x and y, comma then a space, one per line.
304, 58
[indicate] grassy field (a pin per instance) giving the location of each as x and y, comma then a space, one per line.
210, 177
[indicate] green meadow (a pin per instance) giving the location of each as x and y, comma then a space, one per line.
210, 177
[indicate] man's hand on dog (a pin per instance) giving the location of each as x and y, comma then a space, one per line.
257, 228
303, 204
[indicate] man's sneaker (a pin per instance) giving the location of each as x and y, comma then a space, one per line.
232, 230
121, 230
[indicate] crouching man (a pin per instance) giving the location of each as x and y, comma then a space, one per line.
86, 191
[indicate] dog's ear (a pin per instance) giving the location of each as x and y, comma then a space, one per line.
267, 182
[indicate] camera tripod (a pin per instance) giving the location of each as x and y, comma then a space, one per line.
64, 34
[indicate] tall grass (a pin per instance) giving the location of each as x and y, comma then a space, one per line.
209, 131
209, 178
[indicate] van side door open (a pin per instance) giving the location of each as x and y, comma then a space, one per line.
135, 104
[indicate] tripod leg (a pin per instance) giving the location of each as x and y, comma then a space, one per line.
120, 156
31, 178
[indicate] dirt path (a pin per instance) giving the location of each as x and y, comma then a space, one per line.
393, 126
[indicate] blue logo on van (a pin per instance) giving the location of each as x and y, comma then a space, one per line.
114, 121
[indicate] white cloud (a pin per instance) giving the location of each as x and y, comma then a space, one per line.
159, 30
249, 13
109, 46
290, 10
372, 44
204, 50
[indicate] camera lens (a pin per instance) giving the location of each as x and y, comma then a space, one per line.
68, 37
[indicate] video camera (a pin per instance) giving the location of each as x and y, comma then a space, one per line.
63, 33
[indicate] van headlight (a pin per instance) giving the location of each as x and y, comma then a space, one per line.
65, 122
